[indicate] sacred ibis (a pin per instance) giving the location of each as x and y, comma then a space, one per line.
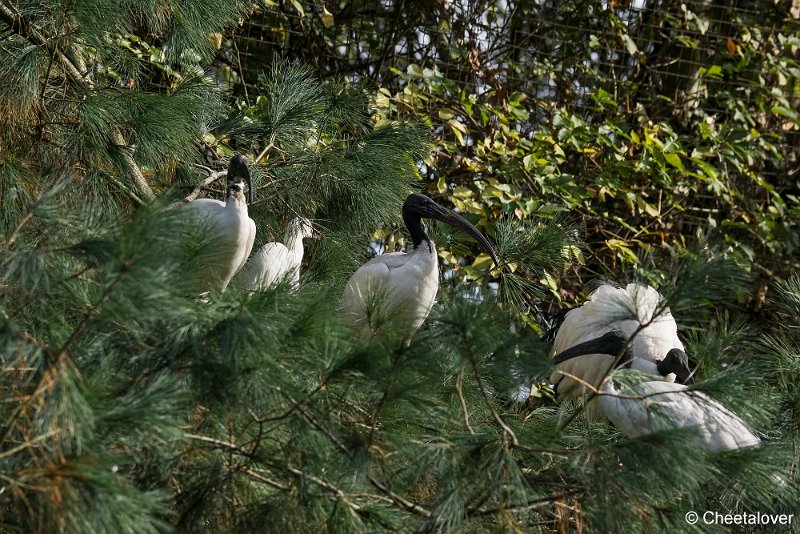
275, 261
649, 406
400, 287
634, 319
232, 230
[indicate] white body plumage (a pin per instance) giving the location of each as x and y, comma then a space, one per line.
233, 232
651, 406
636, 310
275, 261
398, 287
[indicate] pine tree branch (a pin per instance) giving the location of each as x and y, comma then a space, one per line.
268, 481
60, 355
522, 507
236, 449
213, 176
408, 505
29, 442
460, 391
13, 237
477, 373
18, 24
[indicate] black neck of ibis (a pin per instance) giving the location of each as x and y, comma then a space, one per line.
611, 343
413, 221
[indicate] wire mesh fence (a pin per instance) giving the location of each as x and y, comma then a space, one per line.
547, 49
647, 53
655, 60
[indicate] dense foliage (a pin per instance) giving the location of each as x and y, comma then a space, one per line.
132, 404
650, 121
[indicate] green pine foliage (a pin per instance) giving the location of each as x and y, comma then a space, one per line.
132, 404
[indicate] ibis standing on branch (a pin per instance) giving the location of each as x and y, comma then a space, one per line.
399, 288
275, 261
232, 230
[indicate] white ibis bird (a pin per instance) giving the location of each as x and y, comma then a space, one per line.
229, 225
275, 261
402, 286
653, 405
586, 340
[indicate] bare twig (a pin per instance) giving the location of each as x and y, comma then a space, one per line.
28, 443
460, 390
15, 233
213, 176
267, 148
267, 481
477, 372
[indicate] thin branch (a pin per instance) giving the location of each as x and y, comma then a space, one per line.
460, 390
213, 176
521, 507
15, 233
233, 448
267, 148
220, 444
28, 443
477, 372
241, 68
267, 481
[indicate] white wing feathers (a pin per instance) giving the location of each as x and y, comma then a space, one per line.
396, 287
271, 264
651, 406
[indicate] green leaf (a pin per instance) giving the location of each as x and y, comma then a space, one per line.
675, 160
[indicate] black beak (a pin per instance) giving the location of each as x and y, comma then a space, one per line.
434, 211
676, 361
611, 343
238, 168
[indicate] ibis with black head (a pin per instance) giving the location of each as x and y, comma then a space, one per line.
399, 288
230, 228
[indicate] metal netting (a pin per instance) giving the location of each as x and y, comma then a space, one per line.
658, 60
644, 53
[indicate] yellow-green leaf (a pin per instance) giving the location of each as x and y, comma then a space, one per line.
675, 160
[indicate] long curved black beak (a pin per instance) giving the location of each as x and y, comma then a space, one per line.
434, 211
238, 168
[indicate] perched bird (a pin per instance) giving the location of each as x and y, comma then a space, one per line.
653, 405
275, 261
586, 340
400, 287
232, 230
